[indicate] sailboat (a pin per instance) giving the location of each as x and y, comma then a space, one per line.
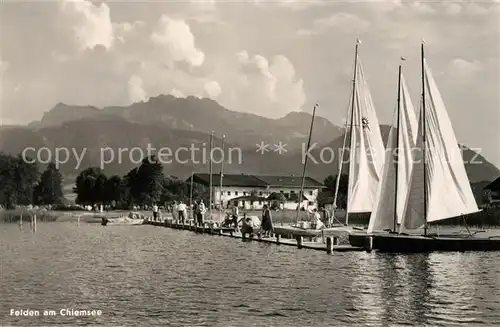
366, 156
366, 149
439, 188
390, 201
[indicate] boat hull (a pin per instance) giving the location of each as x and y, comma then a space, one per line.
358, 238
416, 244
126, 223
121, 221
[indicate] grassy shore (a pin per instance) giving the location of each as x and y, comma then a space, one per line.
15, 215
487, 217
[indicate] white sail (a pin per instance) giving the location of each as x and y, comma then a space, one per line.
448, 189
382, 216
367, 149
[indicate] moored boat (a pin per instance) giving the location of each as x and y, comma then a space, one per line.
393, 187
439, 187
366, 158
400, 243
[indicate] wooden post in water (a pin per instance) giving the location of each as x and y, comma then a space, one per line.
31, 222
368, 243
278, 238
78, 221
329, 245
300, 241
34, 223
21, 221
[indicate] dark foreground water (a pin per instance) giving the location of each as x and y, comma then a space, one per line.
152, 276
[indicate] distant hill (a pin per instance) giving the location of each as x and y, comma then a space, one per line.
202, 115
166, 121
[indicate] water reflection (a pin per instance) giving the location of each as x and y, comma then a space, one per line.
159, 277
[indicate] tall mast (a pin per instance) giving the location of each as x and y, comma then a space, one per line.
210, 174
221, 203
339, 174
352, 122
305, 163
424, 150
191, 191
397, 151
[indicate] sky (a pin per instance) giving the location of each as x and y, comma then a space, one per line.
263, 57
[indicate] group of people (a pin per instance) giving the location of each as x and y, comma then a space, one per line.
180, 214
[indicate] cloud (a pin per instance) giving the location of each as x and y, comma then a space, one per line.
266, 87
422, 8
176, 93
135, 89
463, 70
213, 89
453, 9
176, 36
93, 58
91, 23
476, 9
3, 66
345, 22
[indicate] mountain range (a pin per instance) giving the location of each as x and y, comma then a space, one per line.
167, 121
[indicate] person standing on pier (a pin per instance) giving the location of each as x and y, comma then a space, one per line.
201, 213
235, 216
175, 211
267, 221
326, 217
181, 209
316, 222
155, 212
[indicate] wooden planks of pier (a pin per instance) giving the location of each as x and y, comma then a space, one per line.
328, 245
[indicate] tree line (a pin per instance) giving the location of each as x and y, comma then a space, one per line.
22, 183
143, 185
327, 194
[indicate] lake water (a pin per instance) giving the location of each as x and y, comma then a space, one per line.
153, 276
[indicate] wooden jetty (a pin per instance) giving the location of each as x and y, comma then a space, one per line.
328, 244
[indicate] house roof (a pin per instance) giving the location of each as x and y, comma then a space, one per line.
229, 180
258, 181
289, 181
494, 186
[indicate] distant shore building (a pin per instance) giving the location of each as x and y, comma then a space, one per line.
492, 192
253, 191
